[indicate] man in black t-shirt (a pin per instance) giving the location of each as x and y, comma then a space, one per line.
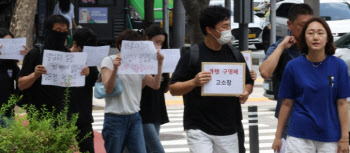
211, 123
56, 27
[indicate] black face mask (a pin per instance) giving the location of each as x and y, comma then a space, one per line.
55, 40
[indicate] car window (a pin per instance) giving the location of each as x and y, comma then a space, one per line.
343, 42
335, 11
282, 11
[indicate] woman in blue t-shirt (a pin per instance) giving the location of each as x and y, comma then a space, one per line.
314, 89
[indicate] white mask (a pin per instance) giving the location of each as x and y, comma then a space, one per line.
225, 38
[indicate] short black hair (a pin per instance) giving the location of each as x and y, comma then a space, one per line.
299, 9
155, 30
212, 15
51, 20
4, 32
85, 37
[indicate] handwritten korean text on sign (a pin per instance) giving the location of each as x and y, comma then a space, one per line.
227, 79
11, 48
62, 66
138, 57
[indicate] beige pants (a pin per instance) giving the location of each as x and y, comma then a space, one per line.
201, 142
299, 145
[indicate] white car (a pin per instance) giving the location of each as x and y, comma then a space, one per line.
335, 12
254, 30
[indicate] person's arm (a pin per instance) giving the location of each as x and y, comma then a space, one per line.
269, 65
109, 76
26, 82
286, 107
74, 25
166, 77
181, 88
154, 82
343, 144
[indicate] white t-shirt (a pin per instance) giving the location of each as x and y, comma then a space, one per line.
129, 101
69, 15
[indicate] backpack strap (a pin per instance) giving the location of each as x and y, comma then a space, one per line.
194, 55
237, 54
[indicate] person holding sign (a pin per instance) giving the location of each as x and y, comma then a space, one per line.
153, 110
8, 74
123, 125
211, 123
314, 89
83, 104
56, 27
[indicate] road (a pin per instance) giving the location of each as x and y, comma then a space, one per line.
173, 136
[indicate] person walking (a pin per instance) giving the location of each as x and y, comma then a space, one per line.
81, 97
314, 89
280, 53
8, 76
209, 130
122, 126
153, 109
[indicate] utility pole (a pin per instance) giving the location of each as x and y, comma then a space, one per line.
315, 5
178, 24
273, 21
228, 4
166, 17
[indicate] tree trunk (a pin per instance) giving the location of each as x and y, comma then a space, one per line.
22, 22
193, 9
149, 13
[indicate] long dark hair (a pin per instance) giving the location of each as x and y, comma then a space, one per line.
329, 48
155, 30
64, 6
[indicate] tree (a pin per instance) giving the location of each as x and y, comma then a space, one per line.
149, 13
193, 9
22, 22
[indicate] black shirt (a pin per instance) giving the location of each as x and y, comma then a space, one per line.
81, 98
213, 115
38, 94
153, 109
8, 74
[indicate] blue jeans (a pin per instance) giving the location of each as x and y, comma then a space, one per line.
123, 130
151, 133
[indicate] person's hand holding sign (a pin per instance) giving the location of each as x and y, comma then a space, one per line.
243, 97
85, 71
39, 70
202, 78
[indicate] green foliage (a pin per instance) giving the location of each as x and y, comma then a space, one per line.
39, 131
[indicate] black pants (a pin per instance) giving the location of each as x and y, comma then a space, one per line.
240, 133
87, 145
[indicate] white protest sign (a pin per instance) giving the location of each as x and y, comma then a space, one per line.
11, 48
171, 57
95, 54
61, 66
248, 58
138, 57
227, 79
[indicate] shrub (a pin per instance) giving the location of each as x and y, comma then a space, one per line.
39, 131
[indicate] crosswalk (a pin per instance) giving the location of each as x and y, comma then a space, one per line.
173, 137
